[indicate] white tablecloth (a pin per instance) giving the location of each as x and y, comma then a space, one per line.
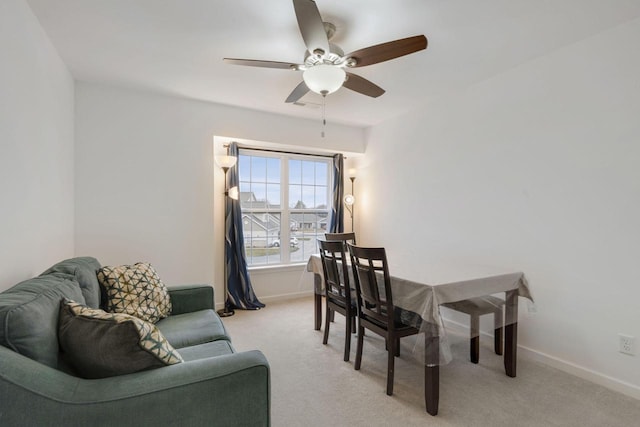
427, 289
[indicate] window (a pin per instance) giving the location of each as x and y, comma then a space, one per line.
285, 204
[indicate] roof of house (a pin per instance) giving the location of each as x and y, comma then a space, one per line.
270, 223
248, 200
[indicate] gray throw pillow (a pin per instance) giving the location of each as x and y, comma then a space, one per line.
29, 316
98, 344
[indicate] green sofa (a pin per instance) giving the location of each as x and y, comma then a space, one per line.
214, 386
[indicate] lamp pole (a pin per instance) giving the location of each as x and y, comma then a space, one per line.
352, 178
226, 162
349, 199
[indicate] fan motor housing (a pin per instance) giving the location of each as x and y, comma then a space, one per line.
335, 57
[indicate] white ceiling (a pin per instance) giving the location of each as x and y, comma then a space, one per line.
176, 46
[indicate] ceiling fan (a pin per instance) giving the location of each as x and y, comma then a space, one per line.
325, 63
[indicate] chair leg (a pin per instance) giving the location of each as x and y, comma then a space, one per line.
359, 347
474, 348
347, 337
497, 333
390, 364
397, 350
354, 329
327, 322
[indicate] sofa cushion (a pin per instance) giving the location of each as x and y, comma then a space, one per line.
183, 330
85, 270
135, 290
29, 315
98, 344
209, 349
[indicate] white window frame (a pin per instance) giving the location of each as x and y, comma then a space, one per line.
285, 211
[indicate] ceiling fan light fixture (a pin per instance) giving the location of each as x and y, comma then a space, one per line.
324, 79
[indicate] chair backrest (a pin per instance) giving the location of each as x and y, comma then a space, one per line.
336, 271
344, 237
373, 283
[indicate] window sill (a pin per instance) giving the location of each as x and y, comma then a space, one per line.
278, 268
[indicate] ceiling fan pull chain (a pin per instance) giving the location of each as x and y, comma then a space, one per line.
324, 120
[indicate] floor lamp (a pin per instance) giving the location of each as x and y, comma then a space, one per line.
225, 162
349, 199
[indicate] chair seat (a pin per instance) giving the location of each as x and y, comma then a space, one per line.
341, 303
397, 323
476, 306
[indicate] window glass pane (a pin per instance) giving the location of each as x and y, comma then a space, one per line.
273, 170
308, 172
295, 197
259, 190
308, 196
244, 168
273, 196
321, 198
312, 225
295, 172
261, 238
321, 173
258, 169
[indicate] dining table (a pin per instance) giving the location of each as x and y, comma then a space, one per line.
419, 291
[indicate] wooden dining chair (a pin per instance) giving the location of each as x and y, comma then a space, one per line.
475, 308
343, 237
337, 290
376, 311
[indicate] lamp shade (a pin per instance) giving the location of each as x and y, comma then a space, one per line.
349, 200
324, 79
226, 162
233, 192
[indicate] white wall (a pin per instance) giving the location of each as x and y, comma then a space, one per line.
36, 148
535, 170
145, 180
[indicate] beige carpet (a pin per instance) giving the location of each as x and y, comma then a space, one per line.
312, 386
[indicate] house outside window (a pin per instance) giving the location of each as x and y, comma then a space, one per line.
285, 203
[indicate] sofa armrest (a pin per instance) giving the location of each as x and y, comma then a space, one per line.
190, 298
231, 389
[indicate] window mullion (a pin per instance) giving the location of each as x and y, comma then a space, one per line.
285, 248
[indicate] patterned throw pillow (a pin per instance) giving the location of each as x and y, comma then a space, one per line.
135, 290
98, 344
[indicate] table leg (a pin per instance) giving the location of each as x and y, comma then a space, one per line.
498, 328
317, 301
474, 345
432, 370
511, 333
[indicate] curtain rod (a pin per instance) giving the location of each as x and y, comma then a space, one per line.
330, 156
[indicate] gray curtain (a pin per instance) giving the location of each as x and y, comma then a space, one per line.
239, 290
336, 224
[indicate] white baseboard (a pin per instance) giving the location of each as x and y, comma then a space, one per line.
276, 298
615, 384
285, 297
